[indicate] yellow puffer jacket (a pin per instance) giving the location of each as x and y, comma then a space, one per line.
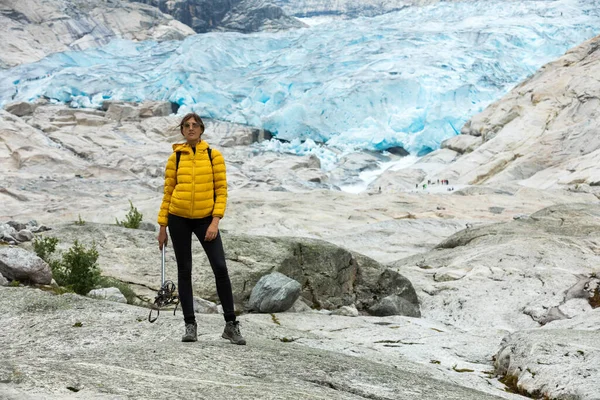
191, 194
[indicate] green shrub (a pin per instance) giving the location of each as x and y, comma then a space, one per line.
80, 222
78, 269
44, 247
107, 281
132, 219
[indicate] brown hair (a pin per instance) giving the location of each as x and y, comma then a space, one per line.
189, 116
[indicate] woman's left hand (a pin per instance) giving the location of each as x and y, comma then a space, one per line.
212, 232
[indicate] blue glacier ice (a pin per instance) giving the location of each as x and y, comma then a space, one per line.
410, 78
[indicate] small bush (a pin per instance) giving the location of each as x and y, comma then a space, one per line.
106, 282
132, 219
79, 269
80, 222
44, 247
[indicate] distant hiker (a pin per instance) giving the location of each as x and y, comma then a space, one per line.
194, 202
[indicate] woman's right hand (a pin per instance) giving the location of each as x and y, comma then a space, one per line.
162, 237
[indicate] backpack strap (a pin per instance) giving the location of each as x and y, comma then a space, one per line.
213, 174
178, 155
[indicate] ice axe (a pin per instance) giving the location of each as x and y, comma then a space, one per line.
166, 294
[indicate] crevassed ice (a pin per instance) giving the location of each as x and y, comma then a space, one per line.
410, 78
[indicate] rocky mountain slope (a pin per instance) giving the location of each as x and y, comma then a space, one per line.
227, 15
32, 29
544, 133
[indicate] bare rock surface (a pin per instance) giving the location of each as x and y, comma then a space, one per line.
534, 361
100, 348
521, 269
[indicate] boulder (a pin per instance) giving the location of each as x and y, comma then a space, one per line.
118, 111
273, 293
299, 306
110, 294
21, 108
22, 265
7, 233
24, 235
156, 109
3, 280
202, 306
395, 305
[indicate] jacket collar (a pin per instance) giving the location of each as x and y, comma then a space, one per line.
186, 148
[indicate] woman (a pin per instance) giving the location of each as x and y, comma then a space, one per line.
194, 202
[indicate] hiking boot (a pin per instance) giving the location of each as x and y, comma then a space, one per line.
232, 332
191, 333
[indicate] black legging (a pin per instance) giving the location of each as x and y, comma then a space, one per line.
180, 230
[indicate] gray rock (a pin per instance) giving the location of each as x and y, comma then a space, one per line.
299, 306
22, 265
395, 305
20, 109
3, 280
496, 210
155, 109
17, 225
147, 226
274, 293
347, 311
24, 235
7, 231
41, 228
202, 306
118, 111
110, 294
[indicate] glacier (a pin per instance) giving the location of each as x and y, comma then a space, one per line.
410, 78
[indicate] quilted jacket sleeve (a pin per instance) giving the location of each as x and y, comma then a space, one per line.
220, 182
170, 181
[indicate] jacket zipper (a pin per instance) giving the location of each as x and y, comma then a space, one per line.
193, 182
